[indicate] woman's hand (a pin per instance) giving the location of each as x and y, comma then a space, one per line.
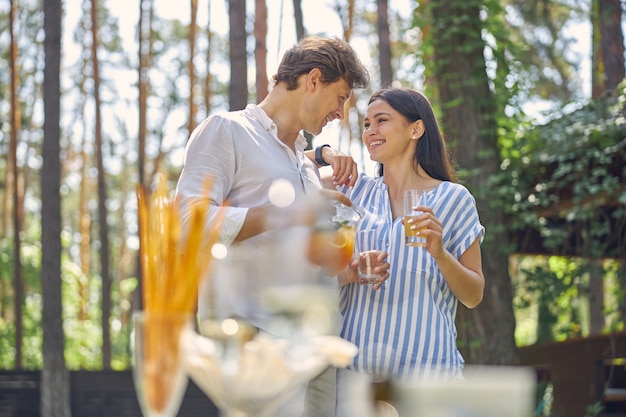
382, 270
430, 228
464, 276
351, 275
345, 169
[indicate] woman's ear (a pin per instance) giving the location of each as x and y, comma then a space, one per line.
418, 129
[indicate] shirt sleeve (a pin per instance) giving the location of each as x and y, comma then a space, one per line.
210, 154
465, 224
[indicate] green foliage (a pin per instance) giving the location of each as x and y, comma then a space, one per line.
553, 288
594, 410
616, 303
81, 322
544, 46
31, 308
572, 166
563, 180
552, 297
81, 315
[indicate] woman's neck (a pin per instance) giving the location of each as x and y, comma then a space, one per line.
398, 181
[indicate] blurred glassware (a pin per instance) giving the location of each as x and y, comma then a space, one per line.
485, 391
268, 320
331, 245
158, 375
271, 286
368, 249
247, 377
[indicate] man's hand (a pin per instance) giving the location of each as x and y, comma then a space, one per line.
329, 195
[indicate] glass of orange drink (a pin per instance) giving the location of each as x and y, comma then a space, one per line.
413, 199
332, 242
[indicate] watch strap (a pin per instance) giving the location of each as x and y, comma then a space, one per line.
318, 155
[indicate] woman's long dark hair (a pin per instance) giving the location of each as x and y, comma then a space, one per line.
430, 151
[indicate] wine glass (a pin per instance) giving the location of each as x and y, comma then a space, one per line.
159, 377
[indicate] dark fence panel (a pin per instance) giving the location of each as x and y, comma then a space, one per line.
19, 394
583, 372
93, 394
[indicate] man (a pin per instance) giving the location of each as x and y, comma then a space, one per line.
247, 153
244, 152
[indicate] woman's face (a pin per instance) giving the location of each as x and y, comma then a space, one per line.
387, 134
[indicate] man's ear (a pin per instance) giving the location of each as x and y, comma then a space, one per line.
314, 77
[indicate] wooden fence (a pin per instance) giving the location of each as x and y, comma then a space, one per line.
93, 394
583, 372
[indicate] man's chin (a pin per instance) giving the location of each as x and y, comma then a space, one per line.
310, 132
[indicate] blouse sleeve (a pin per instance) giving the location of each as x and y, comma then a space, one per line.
461, 222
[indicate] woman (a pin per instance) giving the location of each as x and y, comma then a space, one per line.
406, 328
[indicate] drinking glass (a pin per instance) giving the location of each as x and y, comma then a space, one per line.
368, 253
332, 241
159, 377
412, 199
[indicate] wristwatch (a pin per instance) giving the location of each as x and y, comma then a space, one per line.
318, 155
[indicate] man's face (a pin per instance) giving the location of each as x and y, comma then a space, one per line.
324, 104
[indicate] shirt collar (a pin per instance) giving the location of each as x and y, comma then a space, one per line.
257, 113
260, 116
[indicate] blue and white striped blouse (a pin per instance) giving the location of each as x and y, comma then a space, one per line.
406, 329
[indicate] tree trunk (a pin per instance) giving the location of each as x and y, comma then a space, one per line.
18, 280
621, 281
84, 219
208, 92
85, 189
608, 68
4, 214
146, 8
300, 32
384, 44
102, 198
468, 118
596, 296
144, 33
297, 15
238, 88
55, 396
347, 20
191, 123
260, 49
612, 39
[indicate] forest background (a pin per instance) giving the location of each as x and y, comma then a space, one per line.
87, 114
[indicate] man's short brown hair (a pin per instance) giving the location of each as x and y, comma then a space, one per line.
334, 57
